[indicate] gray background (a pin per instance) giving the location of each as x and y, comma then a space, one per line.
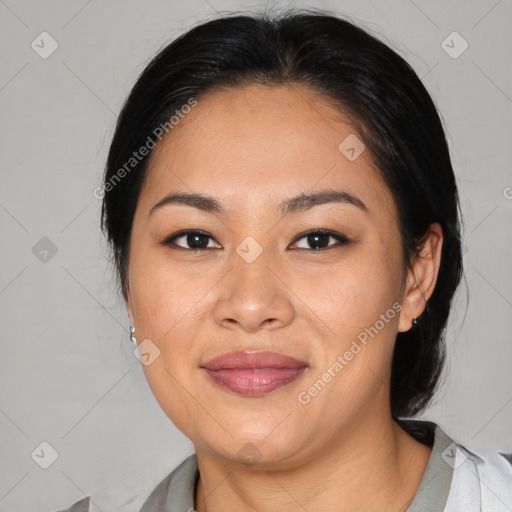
68, 373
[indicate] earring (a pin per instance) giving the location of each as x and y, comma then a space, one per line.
415, 321
132, 337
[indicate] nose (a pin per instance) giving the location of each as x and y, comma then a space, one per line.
252, 297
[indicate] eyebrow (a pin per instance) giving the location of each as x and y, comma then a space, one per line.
301, 202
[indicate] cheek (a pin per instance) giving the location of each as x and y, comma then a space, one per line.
164, 297
358, 301
170, 309
176, 396
350, 295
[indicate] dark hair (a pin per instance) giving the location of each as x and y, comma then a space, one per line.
385, 101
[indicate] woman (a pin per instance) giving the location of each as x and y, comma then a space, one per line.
284, 221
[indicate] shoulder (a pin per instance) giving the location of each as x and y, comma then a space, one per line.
80, 506
460, 476
175, 491
482, 480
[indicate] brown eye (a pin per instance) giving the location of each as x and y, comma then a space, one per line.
319, 240
192, 240
315, 241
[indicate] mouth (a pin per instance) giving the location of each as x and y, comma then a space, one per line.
253, 373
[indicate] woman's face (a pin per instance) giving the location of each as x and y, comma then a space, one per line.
253, 280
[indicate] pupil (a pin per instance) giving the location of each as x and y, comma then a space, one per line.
192, 240
313, 240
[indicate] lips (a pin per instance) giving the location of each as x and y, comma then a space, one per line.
253, 373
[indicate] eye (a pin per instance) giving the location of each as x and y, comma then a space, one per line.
192, 240
319, 240
316, 240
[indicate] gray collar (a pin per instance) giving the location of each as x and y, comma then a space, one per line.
435, 484
176, 492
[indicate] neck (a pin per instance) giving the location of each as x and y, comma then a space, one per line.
374, 464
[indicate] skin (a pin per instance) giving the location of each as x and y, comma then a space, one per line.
250, 149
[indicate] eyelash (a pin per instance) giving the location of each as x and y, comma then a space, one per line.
342, 240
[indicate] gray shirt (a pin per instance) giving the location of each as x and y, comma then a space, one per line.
176, 492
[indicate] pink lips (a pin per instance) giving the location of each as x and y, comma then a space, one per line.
253, 373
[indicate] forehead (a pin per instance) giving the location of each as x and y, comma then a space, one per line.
256, 145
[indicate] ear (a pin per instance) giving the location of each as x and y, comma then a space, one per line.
421, 278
